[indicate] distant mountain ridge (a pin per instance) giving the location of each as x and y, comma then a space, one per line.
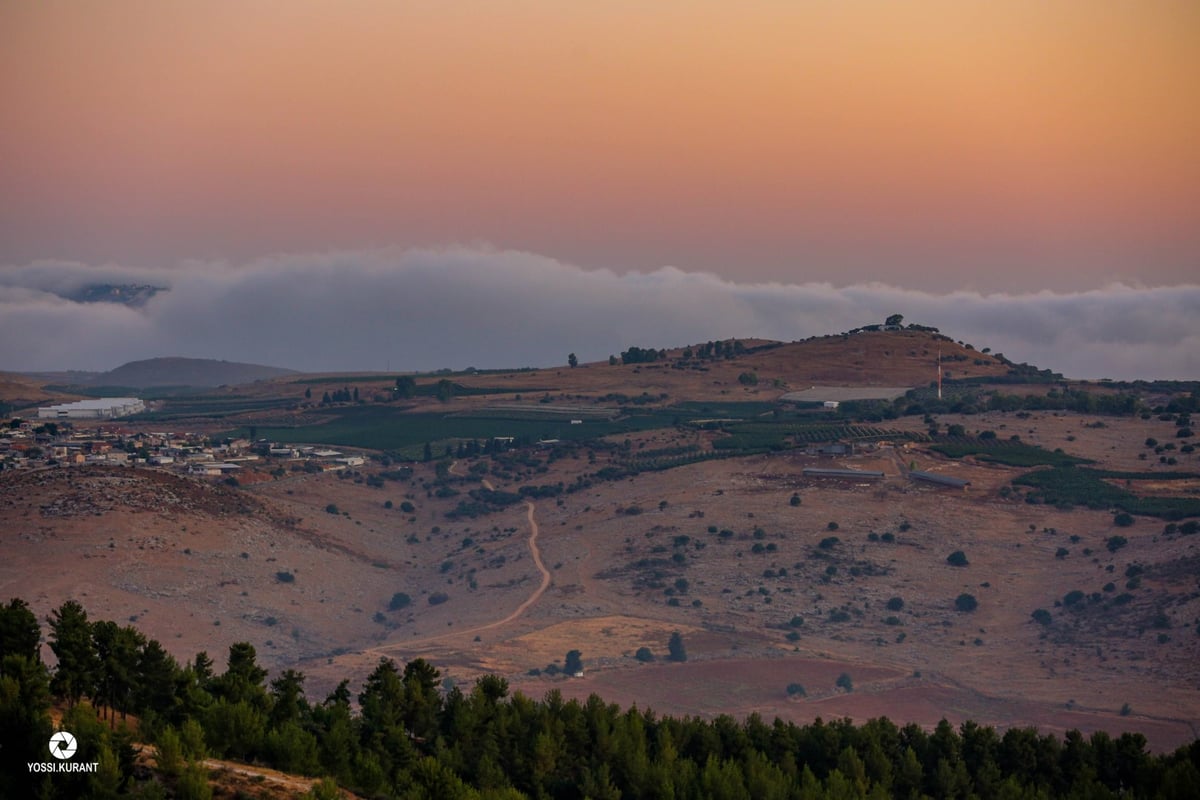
179, 371
127, 294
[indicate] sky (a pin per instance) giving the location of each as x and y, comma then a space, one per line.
804, 164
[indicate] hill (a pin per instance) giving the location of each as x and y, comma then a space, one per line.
19, 392
178, 371
604, 507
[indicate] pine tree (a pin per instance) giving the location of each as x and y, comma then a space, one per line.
71, 643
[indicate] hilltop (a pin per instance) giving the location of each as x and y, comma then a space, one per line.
178, 371
671, 492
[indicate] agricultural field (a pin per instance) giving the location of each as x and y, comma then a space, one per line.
1058, 589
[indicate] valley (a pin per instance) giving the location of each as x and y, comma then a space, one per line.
779, 583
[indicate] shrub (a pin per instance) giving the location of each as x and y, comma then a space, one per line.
844, 682
285, 577
1041, 616
895, 604
794, 689
829, 542
331, 508
1062, 552
796, 621
833, 526
1073, 597
644, 655
957, 559
399, 600
795, 501
1123, 520
1115, 543
891, 621
966, 603
407, 507
437, 598
675, 649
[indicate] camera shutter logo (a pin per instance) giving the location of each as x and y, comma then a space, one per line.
63, 745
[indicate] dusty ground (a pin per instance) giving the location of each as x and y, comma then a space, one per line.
759, 607
995, 664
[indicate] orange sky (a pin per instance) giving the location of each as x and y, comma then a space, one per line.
929, 144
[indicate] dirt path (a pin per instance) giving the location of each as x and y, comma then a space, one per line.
530, 508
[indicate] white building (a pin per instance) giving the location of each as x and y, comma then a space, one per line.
100, 408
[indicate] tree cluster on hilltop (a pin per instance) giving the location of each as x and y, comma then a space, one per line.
409, 737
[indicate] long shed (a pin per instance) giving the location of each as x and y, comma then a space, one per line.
941, 480
817, 472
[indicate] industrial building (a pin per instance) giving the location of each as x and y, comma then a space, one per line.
941, 480
100, 408
814, 472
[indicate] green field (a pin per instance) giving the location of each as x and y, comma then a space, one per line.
390, 429
1071, 486
1012, 454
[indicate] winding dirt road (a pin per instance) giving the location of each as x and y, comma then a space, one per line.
530, 508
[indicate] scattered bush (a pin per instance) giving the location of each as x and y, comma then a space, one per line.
399, 600
1115, 543
675, 648
331, 508
966, 603
1042, 617
1073, 597
957, 559
895, 604
1123, 520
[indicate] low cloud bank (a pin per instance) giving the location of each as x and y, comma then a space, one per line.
458, 307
